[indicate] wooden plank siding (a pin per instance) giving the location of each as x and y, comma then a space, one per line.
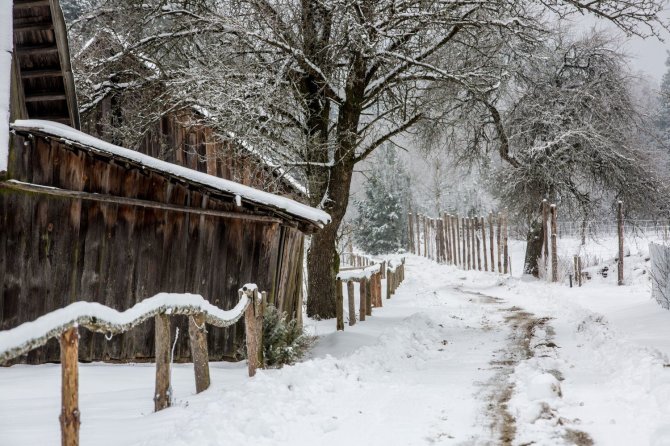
57, 250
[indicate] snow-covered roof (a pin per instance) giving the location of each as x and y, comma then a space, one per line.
6, 47
245, 193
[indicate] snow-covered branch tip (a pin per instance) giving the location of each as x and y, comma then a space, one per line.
102, 319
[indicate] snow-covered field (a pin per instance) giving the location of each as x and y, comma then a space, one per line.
453, 358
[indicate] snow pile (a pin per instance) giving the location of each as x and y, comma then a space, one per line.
29, 335
6, 48
316, 216
359, 274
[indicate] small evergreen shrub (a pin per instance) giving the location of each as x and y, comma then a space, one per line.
284, 341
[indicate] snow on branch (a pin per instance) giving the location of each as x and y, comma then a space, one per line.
102, 319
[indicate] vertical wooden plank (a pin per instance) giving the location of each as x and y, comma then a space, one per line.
475, 230
417, 238
499, 240
352, 304
491, 235
545, 232
339, 305
579, 268
425, 235
454, 239
483, 225
410, 235
368, 297
162, 395
466, 234
576, 269
362, 309
197, 334
619, 206
554, 250
69, 417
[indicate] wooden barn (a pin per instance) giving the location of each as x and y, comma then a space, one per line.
83, 219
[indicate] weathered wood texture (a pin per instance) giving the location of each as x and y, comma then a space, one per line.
69, 417
55, 250
163, 390
197, 333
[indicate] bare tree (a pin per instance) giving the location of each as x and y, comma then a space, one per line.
323, 84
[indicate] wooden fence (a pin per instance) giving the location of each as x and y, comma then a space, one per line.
370, 280
470, 243
64, 324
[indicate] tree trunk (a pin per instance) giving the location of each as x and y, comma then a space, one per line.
534, 247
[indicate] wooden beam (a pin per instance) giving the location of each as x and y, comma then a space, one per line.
25, 27
30, 3
44, 97
32, 74
78, 195
28, 50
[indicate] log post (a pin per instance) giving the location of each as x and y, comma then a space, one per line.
361, 304
382, 269
69, 359
483, 226
505, 240
491, 235
478, 248
619, 208
368, 297
352, 303
579, 265
389, 280
378, 285
545, 232
466, 227
554, 245
410, 238
162, 395
197, 335
457, 236
499, 240
418, 234
425, 236
576, 267
252, 338
339, 305
447, 235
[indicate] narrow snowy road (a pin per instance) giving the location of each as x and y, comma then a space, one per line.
454, 358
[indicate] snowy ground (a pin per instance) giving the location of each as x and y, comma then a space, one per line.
454, 357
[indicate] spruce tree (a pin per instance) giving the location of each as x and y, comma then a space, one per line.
380, 227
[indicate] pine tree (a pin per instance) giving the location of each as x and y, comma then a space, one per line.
381, 225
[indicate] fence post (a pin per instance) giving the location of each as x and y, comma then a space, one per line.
368, 297
505, 240
389, 280
576, 267
418, 234
425, 236
579, 265
410, 221
468, 256
554, 245
197, 335
491, 236
339, 305
352, 303
483, 225
382, 269
479, 255
162, 395
69, 358
252, 334
457, 237
619, 207
499, 240
545, 232
361, 304
378, 286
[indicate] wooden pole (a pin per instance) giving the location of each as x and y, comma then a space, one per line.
457, 236
410, 235
69, 359
483, 225
554, 245
447, 235
197, 335
379, 289
478, 248
499, 240
491, 235
252, 338
352, 303
579, 265
619, 207
576, 267
545, 231
418, 234
361, 304
368, 297
162, 395
439, 239
425, 235
339, 305
468, 256
505, 239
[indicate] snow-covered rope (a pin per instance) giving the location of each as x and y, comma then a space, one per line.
359, 274
100, 318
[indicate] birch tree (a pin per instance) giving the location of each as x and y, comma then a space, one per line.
323, 84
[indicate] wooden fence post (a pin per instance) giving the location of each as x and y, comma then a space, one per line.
554, 245
491, 238
499, 241
69, 416
410, 222
425, 235
378, 287
576, 267
457, 236
545, 233
619, 207
579, 265
483, 225
339, 305
382, 269
361, 304
478, 247
418, 234
505, 240
466, 227
162, 395
352, 303
368, 297
252, 334
389, 280
197, 335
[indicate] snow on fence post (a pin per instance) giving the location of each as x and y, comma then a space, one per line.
499, 240
339, 305
620, 234
162, 394
362, 308
352, 304
197, 334
554, 244
69, 359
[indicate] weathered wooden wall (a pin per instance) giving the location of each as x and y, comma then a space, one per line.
56, 250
